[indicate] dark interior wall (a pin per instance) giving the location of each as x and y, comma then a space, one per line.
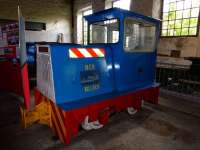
98, 5
142, 6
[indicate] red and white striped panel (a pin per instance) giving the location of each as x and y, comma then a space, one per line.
86, 52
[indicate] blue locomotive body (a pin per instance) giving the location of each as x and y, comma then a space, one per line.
120, 58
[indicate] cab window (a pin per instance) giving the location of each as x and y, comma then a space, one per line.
139, 36
104, 31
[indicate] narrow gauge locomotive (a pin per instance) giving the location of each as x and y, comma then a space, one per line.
115, 71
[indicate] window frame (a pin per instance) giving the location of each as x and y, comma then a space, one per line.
119, 27
178, 36
139, 51
85, 41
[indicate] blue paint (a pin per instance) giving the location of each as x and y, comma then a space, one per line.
67, 74
118, 73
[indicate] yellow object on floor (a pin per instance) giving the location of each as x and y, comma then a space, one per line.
40, 114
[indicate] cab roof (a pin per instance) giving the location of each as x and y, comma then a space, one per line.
119, 14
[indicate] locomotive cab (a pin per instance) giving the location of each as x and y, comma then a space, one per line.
132, 38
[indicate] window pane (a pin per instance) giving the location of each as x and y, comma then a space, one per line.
172, 15
171, 32
186, 23
85, 26
123, 4
177, 32
164, 32
139, 36
171, 24
166, 2
178, 23
179, 5
179, 14
184, 31
164, 24
187, 4
166, 7
104, 31
165, 16
195, 12
87, 12
79, 28
193, 22
192, 31
115, 35
195, 3
172, 6
186, 13
168, 32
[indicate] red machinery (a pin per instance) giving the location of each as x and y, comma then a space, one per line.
10, 72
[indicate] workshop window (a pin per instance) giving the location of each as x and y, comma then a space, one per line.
123, 4
85, 26
82, 26
180, 18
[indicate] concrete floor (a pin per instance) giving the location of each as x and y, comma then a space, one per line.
173, 125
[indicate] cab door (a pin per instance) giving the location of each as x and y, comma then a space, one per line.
137, 58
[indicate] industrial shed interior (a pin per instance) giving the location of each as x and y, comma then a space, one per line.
100, 74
